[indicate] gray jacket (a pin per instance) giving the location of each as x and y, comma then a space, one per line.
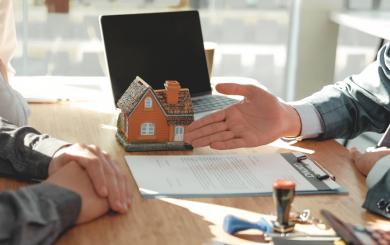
357, 104
39, 213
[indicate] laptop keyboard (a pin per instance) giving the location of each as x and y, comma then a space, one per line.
210, 103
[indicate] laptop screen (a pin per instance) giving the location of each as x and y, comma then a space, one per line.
156, 47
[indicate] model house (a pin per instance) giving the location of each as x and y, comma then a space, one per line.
154, 119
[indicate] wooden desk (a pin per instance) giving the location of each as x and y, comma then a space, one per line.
190, 221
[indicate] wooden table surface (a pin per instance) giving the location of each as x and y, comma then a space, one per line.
188, 221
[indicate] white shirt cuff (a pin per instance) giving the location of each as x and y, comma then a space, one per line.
311, 125
378, 171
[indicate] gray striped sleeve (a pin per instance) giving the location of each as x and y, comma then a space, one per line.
37, 214
357, 104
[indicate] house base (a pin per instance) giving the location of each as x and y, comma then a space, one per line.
166, 146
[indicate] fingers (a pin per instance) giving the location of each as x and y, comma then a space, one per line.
117, 192
207, 140
122, 180
91, 160
365, 161
209, 119
229, 144
124, 185
116, 199
236, 89
355, 153
206, 130
96, 172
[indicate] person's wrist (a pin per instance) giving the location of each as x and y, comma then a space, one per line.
291, 122
55, 165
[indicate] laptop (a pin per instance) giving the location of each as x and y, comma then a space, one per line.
158, 47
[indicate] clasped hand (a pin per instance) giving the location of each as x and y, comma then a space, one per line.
364, 162
91, 169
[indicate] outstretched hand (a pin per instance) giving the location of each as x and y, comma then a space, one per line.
365, 161
258, 119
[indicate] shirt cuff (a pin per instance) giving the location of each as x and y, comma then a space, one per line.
311, 124
47, 147
378, 171
50, 146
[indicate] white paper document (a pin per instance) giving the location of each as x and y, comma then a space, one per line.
225, 175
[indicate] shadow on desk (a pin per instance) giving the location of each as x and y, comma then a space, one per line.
144, 224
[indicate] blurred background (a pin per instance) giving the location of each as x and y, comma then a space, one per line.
62, 37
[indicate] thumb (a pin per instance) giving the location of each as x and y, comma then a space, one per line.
236, 89
354, 152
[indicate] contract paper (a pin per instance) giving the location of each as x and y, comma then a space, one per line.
224, 175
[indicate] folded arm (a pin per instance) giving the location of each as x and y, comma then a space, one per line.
24, 152
37, 214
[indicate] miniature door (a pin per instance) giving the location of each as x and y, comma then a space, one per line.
179, 133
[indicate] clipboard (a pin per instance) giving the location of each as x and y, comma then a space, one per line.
186, 176
315, 173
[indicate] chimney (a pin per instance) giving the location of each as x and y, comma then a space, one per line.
172, 89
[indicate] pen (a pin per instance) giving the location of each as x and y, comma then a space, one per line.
342, 229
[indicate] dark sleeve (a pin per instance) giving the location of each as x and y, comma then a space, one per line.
359, 103
24, 152
37, 214
378, 197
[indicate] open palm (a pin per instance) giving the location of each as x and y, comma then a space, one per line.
258, 119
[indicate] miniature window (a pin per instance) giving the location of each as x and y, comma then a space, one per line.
179, 130
148, 102
147, 129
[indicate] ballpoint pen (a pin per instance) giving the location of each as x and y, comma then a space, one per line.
342, 229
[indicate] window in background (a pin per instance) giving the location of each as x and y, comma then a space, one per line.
356, 49
62, 37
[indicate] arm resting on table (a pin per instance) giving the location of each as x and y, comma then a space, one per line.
37, 214
24, 152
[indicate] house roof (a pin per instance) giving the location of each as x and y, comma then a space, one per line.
133, 95
180, 113
184, 105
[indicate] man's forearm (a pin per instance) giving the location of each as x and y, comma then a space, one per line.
357, 104
24, 152
37, 214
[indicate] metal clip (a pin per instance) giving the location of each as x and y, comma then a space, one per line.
304, 217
